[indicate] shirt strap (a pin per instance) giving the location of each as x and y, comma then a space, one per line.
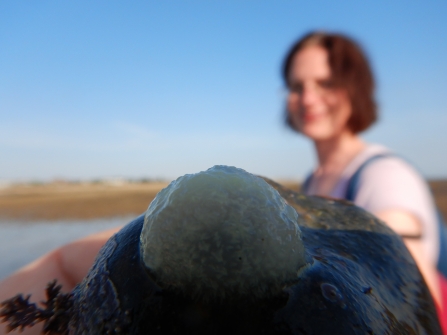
306, 183
352, 185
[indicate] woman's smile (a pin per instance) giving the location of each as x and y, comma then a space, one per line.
308, 117
317, 109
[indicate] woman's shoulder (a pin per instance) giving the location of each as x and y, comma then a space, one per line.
349, 178
381, 165
377, 161
392, 182
369, 152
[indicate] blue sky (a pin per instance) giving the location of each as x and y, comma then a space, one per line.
99, 89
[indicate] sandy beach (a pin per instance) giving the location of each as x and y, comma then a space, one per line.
86, 201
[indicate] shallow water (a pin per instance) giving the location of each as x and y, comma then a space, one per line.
23, 242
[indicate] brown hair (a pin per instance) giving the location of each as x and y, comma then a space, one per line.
350, 70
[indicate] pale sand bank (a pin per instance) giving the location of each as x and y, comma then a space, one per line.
62, 201
75, 201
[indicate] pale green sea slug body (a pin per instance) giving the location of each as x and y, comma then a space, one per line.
222, 239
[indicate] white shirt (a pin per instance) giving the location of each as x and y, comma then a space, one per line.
392, 183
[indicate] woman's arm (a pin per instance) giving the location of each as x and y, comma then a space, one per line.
406, 224
68, 264
396, 193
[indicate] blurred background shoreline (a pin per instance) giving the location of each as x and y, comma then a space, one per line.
64, 200
101, 199
36, 218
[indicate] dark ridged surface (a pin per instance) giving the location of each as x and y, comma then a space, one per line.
360, 280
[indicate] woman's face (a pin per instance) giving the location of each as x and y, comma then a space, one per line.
317, 109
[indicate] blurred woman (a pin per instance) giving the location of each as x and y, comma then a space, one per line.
330, 100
